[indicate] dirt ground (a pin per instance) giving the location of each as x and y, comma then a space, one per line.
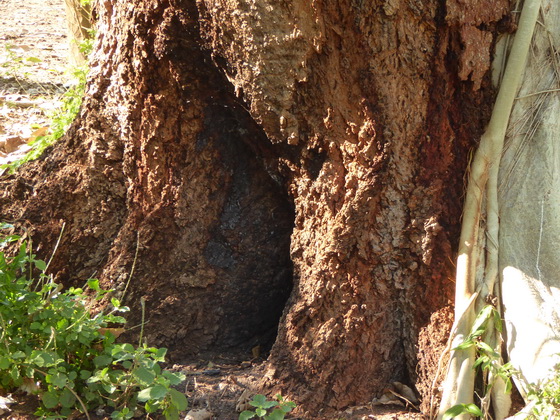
33, 75
33, 69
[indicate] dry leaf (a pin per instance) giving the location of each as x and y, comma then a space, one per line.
38, 133
115, 331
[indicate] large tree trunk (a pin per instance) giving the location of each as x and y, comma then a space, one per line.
213, 130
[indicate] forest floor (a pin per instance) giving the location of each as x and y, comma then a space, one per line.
33, 76
33, 70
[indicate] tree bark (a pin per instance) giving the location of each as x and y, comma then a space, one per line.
157, 164
224, 141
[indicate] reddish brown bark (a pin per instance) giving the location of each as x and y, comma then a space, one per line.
204, 122
382, 100
159, 161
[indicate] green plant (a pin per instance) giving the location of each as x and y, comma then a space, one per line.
15, 65
262, 407
458, 409
487, 360
51, 344
60, 120
546, 398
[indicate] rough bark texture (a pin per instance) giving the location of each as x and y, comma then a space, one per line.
369, 96
203, 118
158, 161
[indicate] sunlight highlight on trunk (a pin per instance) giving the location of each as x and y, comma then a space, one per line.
481, 200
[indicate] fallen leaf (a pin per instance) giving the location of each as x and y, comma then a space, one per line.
12, 143
40, 132
115, 331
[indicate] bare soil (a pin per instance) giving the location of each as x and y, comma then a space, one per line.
33, 75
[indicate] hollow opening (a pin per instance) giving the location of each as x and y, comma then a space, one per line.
250, 243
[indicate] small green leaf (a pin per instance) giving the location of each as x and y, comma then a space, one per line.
144, 395
42, 358
41, 265
171, 413
151, 407
18, 355
102, 360
258, 400
261, 412
4, 363
277, 414
269, 404
93, 284
174, 378
480, 360
474, 410
152, 393
15, 375
479, 325
454, 412
109, 388
50, 400
465, 345
158, 392
85, 374
497, 321
159, 356
509, 385
178, 399
67, 399
128, 347
487, 349
59, 379
459, 409
36, 326
287, 406
246, 415
144, 376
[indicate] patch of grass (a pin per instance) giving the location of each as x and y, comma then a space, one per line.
51, 345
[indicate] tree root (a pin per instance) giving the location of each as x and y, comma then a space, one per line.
482, 199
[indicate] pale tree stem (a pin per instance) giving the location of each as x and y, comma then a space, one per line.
459, 383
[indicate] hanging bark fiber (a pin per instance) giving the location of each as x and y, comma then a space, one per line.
479, 255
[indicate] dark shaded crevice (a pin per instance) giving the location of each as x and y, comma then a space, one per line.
250, 243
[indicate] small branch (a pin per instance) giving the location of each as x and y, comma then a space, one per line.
80, 401
132, 268
56, 246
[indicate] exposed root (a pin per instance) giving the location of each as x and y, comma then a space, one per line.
482, 198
